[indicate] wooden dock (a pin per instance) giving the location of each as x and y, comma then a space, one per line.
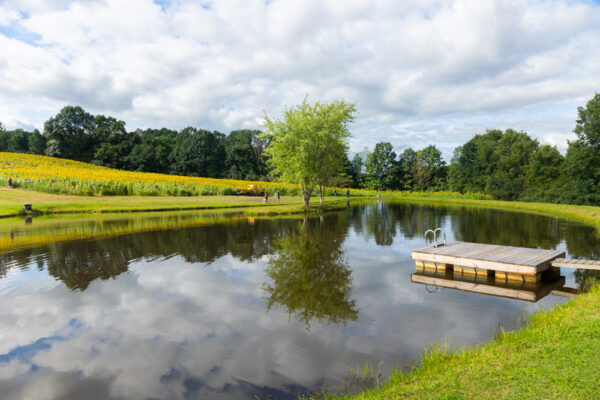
482, 258
507, 271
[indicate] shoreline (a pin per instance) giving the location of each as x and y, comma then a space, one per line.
12, 201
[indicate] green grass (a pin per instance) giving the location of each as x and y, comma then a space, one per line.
556, 356
12, 201
586, 214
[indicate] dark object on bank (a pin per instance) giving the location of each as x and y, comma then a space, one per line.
27, 208
347, 193
9, 182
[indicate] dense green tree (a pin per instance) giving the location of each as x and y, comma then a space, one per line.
587, 128
69, 134
355, 171
380, 165
37, 143
581, 177
309, 143
199, 152
18, 142
512, 156
404, 169
240, 155
495, 163
112, 144
474, 162
582, 162
542, 177
116, 150
152, 153
105, 127
4, 140
260, 143
429, 170
21, 141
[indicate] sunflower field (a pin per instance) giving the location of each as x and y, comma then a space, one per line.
61, 176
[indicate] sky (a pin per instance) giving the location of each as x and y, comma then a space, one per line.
420, 73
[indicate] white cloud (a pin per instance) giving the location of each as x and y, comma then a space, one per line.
218, 65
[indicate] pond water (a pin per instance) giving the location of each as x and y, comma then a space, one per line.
213, 305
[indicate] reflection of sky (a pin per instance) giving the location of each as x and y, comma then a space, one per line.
171, 329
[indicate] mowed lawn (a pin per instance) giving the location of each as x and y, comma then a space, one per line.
12, 201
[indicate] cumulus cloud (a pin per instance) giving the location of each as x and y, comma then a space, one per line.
218, 65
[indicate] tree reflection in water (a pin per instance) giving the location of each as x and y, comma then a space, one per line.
79, 262
310, 276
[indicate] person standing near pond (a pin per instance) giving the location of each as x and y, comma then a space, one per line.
348, 193
277, 196
266, 196
9, 182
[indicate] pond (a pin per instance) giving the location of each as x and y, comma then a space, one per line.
215, 305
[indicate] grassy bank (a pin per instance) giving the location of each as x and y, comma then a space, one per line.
554, 357
12, 201
586, 214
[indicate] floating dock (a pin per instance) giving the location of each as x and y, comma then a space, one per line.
507, 271
507, 262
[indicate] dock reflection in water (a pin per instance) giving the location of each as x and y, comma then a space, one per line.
490, 285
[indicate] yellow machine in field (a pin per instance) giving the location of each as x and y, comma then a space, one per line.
251, 191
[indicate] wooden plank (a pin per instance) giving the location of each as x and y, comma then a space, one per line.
570, 263
492, 252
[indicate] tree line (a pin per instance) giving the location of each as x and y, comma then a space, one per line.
103, 140
510, 165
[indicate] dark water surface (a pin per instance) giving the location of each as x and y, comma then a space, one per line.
202, 306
